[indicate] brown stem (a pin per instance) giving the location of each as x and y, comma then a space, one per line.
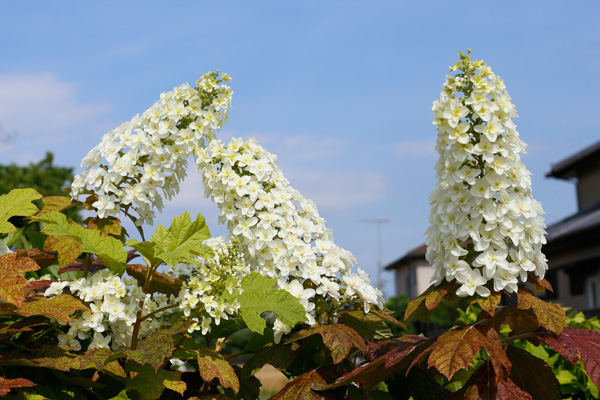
157, 311
516, 337
86, 264
136, 327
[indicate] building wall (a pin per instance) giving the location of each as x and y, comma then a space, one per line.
588, 188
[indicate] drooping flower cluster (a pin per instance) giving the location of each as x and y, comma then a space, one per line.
137, 161
281, 232
113, 303
485, 224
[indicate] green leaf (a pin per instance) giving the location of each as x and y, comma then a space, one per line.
108, 249
18, 202
121, 396
259, 297
156, 348
182, 240
150, 383
212, 365
146, 249
12, 268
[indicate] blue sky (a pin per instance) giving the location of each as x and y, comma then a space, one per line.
340, 91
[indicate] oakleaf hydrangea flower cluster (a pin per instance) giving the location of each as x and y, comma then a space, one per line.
486, 229
281, 232
148, 153
113, 303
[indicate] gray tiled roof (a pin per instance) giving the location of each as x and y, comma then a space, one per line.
574, 224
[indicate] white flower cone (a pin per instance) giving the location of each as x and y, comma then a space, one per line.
486, 229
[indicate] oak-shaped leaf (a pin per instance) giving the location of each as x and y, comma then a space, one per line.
520, 321
402, 352
12, 268
109, 226
307, 386
60, 307
258, 296
183, 240
67, 247
157, 347
150, 384
42, 258
57, 203
422, 307
370, 326
539, 285
338, 338
455, 349
279, 356
159, 282
212, 365
489, 304
7, 384
575, 343
550, 316
484, 384
17, 202
532, 374
108, 249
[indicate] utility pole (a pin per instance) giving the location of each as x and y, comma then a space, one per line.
378, 222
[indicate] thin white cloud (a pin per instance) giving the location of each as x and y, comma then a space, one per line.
41, 103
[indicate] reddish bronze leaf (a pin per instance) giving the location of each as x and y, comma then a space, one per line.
550, 316
575, 343
107, 226
404, 351
485, 385
302, 387
12, 267
26, 325
160, 282
57, 203
338, 338
33, 288
456, 348
212, 365
532, 374
68, 248
59, 307
7, 384
42, 258
520, 321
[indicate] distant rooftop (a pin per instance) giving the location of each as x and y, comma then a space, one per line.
417, 252
568, 167
575, 224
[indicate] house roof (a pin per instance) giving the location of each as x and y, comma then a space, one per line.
417, 252
575, 224
568, 167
